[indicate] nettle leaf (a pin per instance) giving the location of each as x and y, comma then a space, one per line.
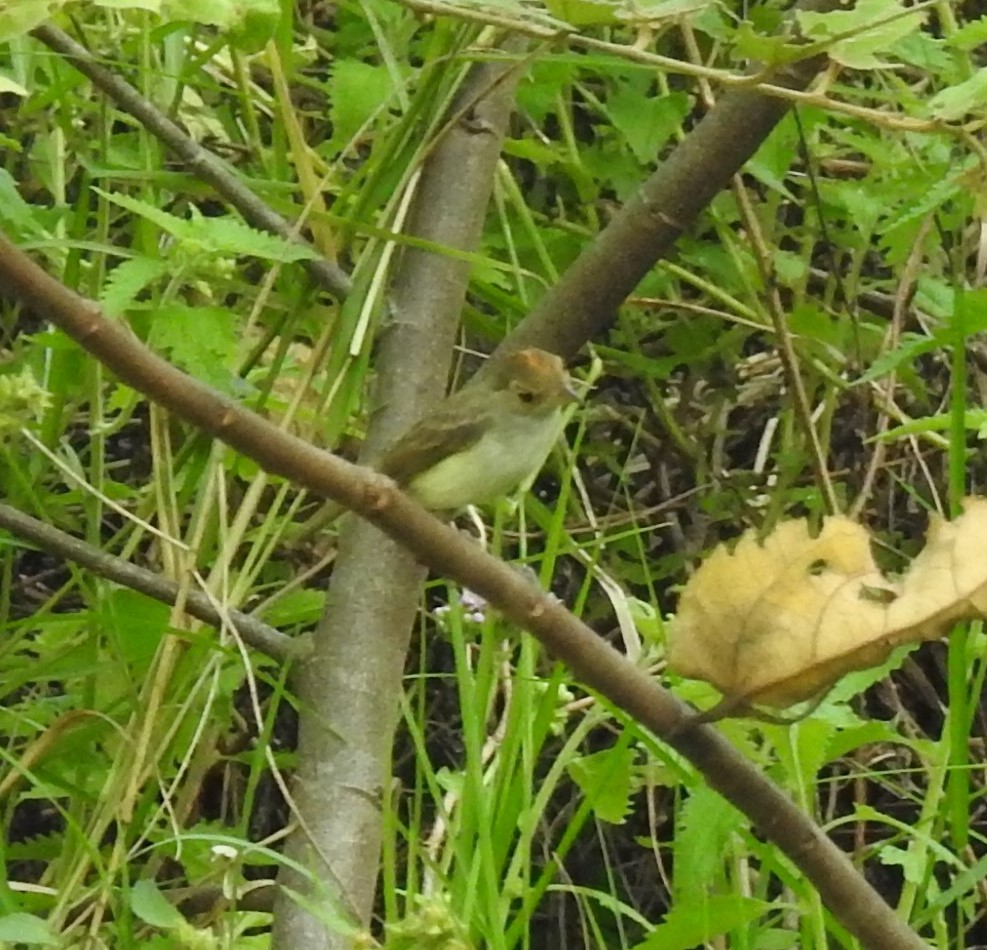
169, 223
201, 340
358, 90
16, 214
705, 824
956, 101
125, 282
697, 920
872, 26
228, 235
221, 236
606, 779
647, 122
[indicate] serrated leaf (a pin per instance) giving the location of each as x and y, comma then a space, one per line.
16, 215
169, 223
913, 863
125, 282
696, 921
705, 823
148, 903
647, 123
606, 780
201, 340
750, 44
969, 36
231, 236
912, 345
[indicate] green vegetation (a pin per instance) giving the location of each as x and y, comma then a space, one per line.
812, 344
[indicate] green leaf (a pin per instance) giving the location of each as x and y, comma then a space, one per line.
358, 90
584, 12
125, 282
26, 928
974, 420
16, 215
228, 235
646, 122
148, 903
969, 36
705, 823
152, 6
300, 606
697, 920
201, 340
913, 862
912, 346
750, 43
855, 36
168, 223
956, 101
606, 780
18, 17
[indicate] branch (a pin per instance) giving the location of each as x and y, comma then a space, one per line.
352, 684
252, 631
583, 304
842, 888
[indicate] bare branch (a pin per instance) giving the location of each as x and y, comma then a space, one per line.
252, 631
594, 661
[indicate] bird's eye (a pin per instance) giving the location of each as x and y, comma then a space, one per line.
526, 396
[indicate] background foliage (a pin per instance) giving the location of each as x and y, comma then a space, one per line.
524, 812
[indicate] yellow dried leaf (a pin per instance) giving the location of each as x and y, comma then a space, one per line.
779, 622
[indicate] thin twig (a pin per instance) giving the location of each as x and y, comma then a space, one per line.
786, 349
253, 631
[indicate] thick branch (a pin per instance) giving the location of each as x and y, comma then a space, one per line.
844, 891
582, 305
349, 689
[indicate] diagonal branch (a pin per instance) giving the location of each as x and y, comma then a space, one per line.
583, 304
842, 888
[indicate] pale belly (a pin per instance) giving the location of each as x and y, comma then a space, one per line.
491, 469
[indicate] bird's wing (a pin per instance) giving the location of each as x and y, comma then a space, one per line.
442, 433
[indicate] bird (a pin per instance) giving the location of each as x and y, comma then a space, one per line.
484, 440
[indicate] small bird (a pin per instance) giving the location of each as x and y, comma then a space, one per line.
483, 441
